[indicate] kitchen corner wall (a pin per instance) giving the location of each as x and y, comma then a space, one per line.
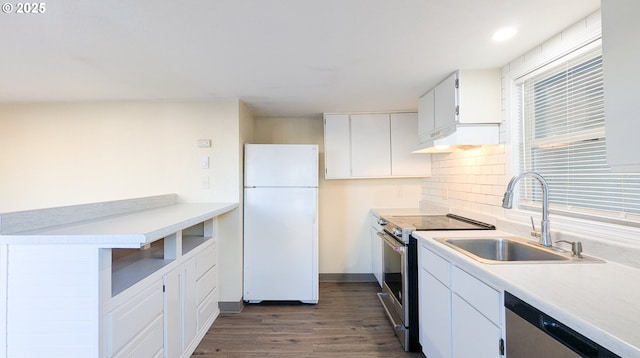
474, 180
344, 230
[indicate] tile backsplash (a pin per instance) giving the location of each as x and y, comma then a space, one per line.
470, 180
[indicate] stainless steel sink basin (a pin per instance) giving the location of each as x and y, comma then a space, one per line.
510, 250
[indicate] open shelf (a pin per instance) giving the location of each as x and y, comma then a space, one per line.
129, 266
196, 235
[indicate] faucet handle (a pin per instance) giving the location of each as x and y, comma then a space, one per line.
576, 247
535, 233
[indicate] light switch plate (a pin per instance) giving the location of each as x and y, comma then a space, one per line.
204, 143
204, 162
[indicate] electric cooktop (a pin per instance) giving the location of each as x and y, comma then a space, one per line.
440, 222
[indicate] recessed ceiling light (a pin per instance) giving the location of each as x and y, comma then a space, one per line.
504, 34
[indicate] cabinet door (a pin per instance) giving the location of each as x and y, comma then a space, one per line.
370, 145
180, 308
189, 303
376, 255
473, 335
172, 313
435, 317
337, 146
137, 325
445, 98
403, 139
426, 116
621, 54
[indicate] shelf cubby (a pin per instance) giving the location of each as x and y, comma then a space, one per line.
196, 235
129, 266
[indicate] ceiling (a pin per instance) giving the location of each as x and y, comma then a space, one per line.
281, 57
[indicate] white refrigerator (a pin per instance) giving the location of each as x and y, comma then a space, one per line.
281, 223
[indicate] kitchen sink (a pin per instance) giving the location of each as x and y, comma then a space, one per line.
511, 250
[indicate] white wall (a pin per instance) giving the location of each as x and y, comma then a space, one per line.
344, 242
59, 154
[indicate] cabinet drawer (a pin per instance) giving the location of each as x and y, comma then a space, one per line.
435, 265
207, 259
147, 344
482, 297
207, 283
208, 309
136, 322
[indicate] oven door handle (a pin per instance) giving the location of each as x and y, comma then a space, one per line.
395, 245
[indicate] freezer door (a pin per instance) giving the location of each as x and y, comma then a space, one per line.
281, 165
281, 244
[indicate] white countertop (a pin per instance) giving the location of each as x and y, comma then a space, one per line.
599, 300
125, 230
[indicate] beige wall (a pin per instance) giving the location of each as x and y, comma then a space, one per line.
230, 226
344, 231
65, 154
75, 153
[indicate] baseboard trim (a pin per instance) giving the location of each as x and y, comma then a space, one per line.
347, 277
236, 307
230, 307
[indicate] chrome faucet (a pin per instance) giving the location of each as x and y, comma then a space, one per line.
507, 203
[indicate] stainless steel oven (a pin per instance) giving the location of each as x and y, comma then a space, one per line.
394, 293
399, 294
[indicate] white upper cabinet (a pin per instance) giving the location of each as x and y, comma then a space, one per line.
376, 145
426, 116
463, 109
446, 104
337, 146
403, 141
621, 55
370, 145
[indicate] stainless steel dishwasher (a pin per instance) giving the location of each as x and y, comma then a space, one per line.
533, 334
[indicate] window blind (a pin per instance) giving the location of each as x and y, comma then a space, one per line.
562, 137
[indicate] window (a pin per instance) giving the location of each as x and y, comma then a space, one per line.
562, 137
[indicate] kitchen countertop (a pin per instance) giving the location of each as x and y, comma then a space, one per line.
131, 230
599, 300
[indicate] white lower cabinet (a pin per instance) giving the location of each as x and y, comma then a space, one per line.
376, 249
136, 327
473, 335
180, 308
460, 316
206, 288
435, 317
167, 317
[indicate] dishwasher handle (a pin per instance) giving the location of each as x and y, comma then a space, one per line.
555, 329
567, 336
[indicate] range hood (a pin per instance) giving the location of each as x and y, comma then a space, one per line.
461, 137
462, 111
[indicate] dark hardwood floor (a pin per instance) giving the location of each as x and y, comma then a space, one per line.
348, 321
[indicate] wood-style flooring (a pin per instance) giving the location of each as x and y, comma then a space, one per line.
348, 321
